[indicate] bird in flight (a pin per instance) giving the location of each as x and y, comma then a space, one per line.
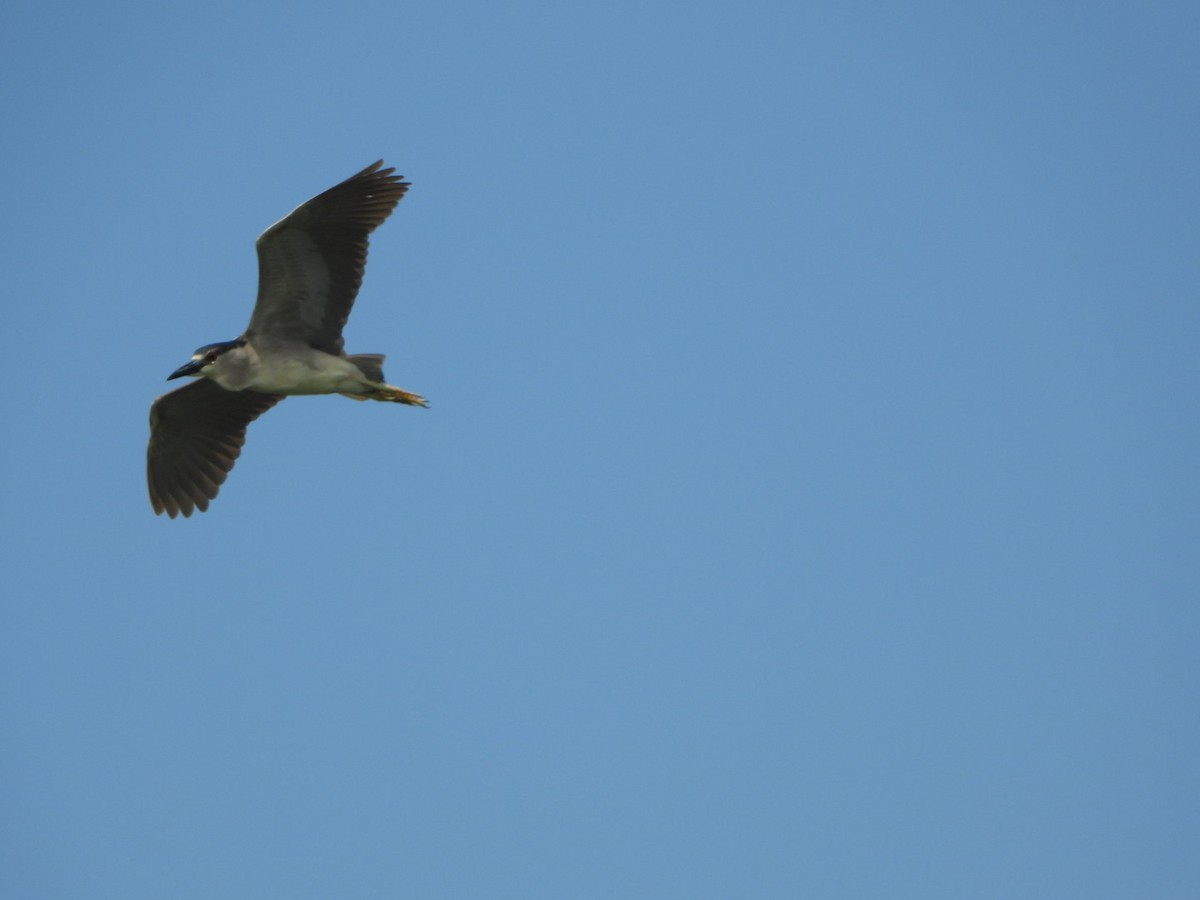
310, 265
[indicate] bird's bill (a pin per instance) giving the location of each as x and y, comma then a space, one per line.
189, 368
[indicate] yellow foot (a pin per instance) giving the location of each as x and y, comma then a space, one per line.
397, 395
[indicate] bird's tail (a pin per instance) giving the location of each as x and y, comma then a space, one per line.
370, 364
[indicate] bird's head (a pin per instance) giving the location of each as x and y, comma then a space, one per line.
205, 357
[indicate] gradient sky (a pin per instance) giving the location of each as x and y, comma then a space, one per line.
808, 505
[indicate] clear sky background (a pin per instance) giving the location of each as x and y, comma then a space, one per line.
808, 506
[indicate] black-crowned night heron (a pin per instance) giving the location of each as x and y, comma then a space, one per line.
310, 266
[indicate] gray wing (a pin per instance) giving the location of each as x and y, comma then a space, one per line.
311, 263
196, 435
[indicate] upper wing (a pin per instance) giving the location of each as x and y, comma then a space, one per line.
196, 434
310, 263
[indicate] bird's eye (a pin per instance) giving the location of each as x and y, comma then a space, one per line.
210, 358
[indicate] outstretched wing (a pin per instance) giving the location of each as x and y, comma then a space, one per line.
311, 263
196, 435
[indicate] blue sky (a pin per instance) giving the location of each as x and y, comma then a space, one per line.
808, 502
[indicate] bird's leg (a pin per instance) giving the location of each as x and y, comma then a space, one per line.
396, 395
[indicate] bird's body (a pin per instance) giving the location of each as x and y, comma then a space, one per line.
289, 370
310, 267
